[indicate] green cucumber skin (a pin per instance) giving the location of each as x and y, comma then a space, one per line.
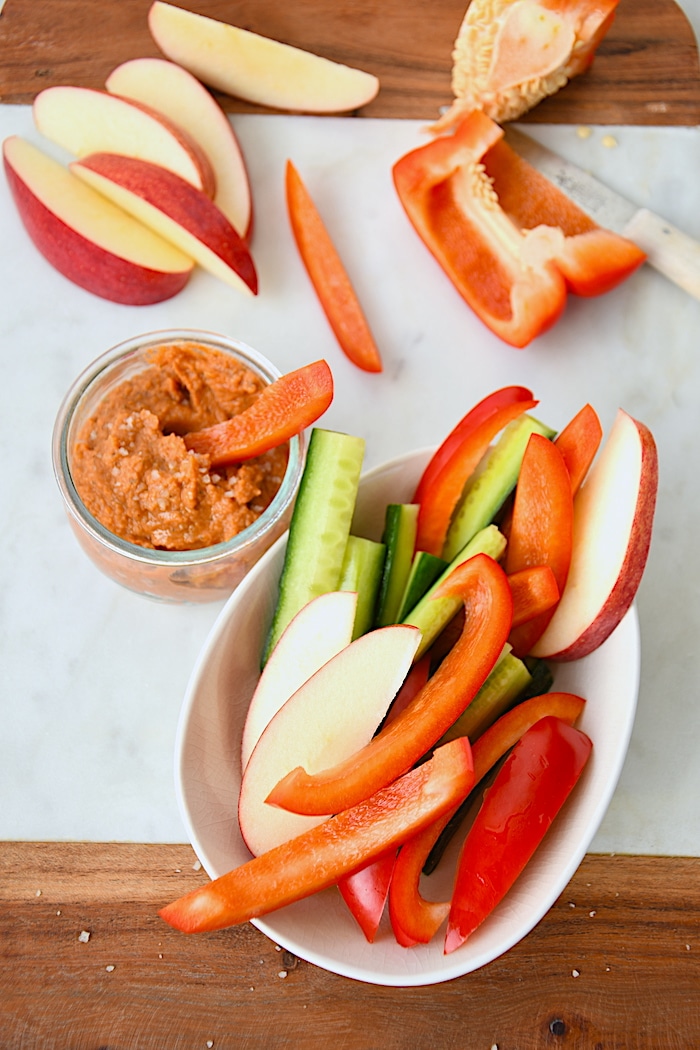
424, 572
362, 572
492, 482
506, 683
320, 525
400, 530
432, 614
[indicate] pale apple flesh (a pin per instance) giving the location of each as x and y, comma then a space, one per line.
317, 633
257, 68
176, 210
84, 121
613, 520
333, 715
85, 237
175, 93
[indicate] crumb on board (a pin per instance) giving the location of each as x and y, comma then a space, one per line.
583, 131
84, 936
609, 141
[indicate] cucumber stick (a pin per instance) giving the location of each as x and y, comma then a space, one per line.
492, 483
507, 682
362, 572
425, 570
320, 525
432, 614
400, 530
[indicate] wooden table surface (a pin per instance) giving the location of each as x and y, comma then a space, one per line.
614, 964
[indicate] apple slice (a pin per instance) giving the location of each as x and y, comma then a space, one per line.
85, 237
613, 519
174, 92
176, 210
84, 120
316, 634
327, 720
255, 67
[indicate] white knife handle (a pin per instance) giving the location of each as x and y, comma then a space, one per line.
672, 253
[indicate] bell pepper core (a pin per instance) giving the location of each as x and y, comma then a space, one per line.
329, 276
284, 408
483, 586
528, 792
319, 857
508, 239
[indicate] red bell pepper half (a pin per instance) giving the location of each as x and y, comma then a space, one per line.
284, 408
414, 919
483, 586
541, 529
317, 858
440, 498
329, 276
509, 240
519, 807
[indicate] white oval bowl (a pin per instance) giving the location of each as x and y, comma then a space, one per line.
321, 929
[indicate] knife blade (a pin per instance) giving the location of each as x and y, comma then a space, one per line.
669, 251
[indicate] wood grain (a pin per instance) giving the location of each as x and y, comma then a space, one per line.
615, 964
646, 70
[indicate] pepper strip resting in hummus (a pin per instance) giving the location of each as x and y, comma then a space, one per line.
133, 472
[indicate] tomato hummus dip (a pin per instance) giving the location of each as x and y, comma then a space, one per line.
131, 468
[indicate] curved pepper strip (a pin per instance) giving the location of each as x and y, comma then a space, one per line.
519, 807
498, 237
284, 408
507, 395
329, 276
541, 531
414, 919
483, 586
317, 858
440, 499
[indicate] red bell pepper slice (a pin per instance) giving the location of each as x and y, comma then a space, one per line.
578, 443
329, 276
413, 919
483, 586
534, 591
485, 408
442, 496
284, 408
541, 530
519, 807
365, 891
493, 227
317, 858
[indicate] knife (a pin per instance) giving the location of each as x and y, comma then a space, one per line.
673, 253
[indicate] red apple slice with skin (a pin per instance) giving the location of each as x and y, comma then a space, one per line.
257, 68
178, 95
613, 519
84, 120
85, 237
174, 209
318, 632
328, 719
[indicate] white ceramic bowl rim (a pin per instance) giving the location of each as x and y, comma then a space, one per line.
205, 760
